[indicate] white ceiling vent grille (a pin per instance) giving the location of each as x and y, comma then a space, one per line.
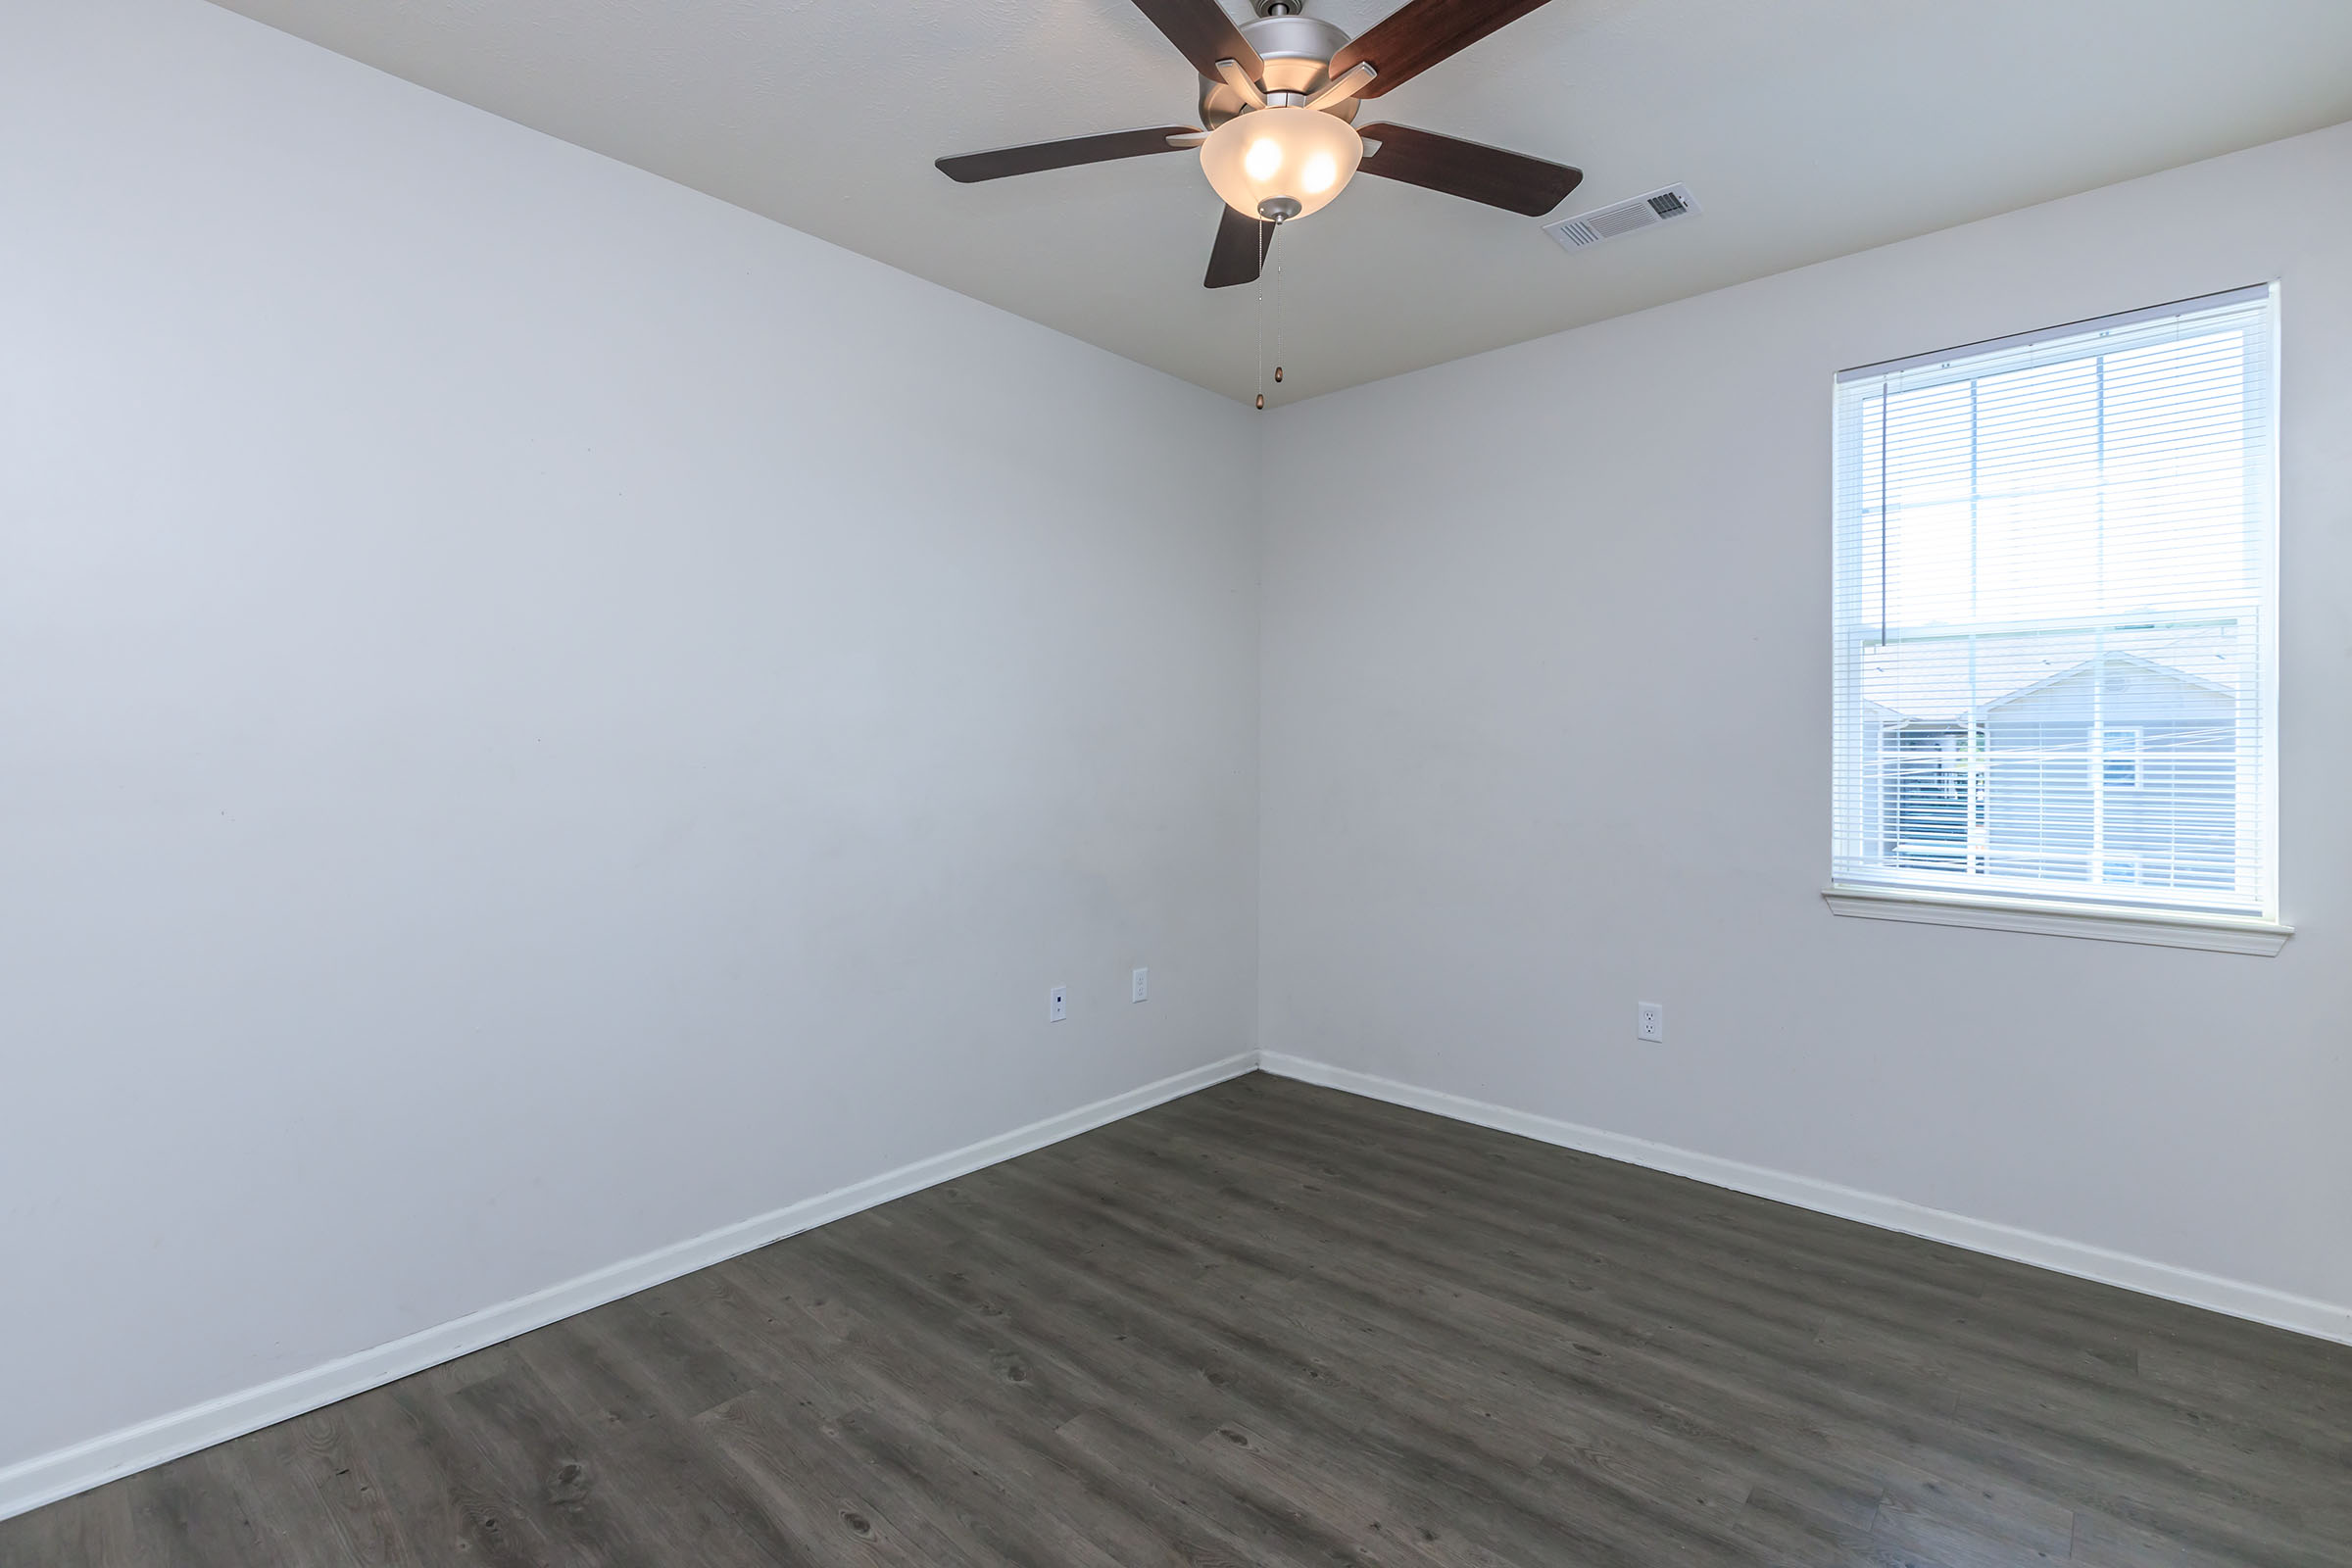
1623, 218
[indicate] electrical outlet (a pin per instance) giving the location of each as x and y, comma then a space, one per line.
1142, 987
1058, 1004
1650, 1021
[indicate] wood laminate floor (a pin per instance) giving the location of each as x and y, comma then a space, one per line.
1275, 1324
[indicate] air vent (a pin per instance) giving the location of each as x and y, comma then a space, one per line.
1623, 218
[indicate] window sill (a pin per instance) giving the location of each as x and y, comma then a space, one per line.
2098, 923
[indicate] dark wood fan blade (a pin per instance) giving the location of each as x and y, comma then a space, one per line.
1205, 35
1240, 250
1421, 33
968, 168
1512, 181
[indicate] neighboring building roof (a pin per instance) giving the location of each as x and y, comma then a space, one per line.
1943, 682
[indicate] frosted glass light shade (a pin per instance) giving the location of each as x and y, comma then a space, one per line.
1284, 153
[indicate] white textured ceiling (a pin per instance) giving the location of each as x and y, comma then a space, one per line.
1806, 128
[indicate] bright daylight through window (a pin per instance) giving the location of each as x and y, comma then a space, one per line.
2054, 600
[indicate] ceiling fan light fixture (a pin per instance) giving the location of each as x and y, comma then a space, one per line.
1283, 159
1278, 94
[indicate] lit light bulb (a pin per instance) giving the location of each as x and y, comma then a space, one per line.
1281, 162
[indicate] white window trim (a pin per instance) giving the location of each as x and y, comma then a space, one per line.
2111, 921
2100, 922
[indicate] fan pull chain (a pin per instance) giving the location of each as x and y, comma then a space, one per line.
1265, 234
1278, 324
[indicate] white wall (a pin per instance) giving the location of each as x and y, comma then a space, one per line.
540, 714
1545, 731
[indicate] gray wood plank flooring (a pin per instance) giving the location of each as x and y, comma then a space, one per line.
1272, 1324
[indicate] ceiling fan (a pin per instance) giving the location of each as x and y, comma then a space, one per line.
1279, 95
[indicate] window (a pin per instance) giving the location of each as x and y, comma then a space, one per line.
2053, 620
2119, 757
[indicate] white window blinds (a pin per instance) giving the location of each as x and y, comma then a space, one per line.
2053, 602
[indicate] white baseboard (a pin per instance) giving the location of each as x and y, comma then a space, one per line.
60, 1474
2320, 1319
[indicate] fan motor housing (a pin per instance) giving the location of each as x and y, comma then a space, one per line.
1296, 50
